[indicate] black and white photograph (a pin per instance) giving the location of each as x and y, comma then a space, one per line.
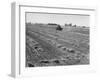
56, 39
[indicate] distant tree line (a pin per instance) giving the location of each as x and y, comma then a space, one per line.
71, 25
28, 24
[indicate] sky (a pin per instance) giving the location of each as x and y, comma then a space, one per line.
79, 20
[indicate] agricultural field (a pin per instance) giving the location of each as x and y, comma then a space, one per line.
46, 46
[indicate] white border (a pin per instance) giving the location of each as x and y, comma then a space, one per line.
19, 60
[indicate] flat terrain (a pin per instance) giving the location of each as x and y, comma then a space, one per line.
45, 46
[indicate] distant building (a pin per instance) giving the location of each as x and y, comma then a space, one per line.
52, 24
57, 26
